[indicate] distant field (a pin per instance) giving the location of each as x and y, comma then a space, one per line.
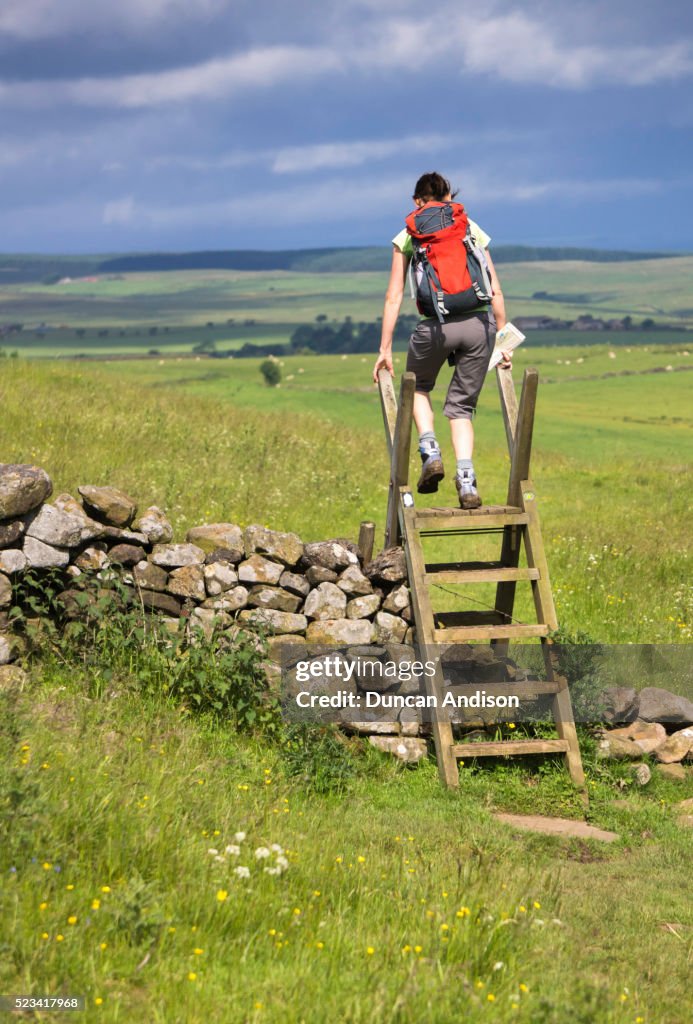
178, 309
181, 340
340, 389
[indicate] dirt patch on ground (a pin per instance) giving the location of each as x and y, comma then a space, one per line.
556, 826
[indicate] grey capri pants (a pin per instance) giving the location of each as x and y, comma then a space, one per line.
468, 341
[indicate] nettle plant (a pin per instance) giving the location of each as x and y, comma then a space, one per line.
102, 628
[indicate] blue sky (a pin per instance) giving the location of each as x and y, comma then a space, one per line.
190, 124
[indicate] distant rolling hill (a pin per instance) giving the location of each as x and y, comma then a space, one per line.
374, 257
15, 269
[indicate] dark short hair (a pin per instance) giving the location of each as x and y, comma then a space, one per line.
433, 186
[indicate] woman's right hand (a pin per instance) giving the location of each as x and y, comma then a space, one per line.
383, 362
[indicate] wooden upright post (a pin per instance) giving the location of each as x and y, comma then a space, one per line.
366, 539
519, 426
522, 441
399, 458
388, 405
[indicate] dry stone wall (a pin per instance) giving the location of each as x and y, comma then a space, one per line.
223, 575
254, 575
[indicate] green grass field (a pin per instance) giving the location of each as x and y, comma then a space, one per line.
401, 902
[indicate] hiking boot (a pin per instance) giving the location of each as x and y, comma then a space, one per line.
432, 473
466, 490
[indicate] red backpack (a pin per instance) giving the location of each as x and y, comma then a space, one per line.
449, 274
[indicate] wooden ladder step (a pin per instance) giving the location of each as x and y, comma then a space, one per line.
462, 521
459, 513
479, 572
515, 631
509, 748
474, 617
524, 689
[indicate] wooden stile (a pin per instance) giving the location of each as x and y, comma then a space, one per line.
517, 523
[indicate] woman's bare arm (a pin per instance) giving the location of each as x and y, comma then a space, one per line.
393, 302
497, 302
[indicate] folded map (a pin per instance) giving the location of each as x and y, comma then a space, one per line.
507, 339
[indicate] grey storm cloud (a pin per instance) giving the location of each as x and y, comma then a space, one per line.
131, 121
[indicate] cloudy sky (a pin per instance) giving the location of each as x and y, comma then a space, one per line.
189, 124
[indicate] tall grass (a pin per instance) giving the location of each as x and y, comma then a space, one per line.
395, 901
614, 512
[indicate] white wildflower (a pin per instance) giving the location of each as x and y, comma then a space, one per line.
242, 871
239, 837
273, 871
261, 853
499, 965
220, 857
282, 863
212, 852
233, 851
276, 848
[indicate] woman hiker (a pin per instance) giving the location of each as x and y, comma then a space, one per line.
467, 338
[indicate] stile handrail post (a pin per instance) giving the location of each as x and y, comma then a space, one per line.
400, 446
